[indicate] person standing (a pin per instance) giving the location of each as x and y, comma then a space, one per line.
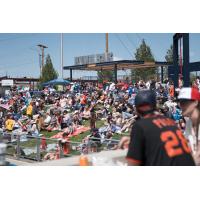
189, 100
155, 139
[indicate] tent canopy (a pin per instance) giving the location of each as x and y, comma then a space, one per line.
58, 81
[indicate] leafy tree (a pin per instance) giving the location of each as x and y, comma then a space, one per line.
169, 54
168, 58
143, 53
48, 71
105, 75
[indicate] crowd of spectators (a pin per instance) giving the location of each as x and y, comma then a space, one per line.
25, 110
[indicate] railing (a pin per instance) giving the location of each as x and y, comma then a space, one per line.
40, 148
103, 158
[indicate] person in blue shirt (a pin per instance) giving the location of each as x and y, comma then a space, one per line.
177, 114
130, 90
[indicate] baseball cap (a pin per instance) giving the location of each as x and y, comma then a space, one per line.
189, 94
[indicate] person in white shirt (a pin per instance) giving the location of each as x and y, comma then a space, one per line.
34, 130
148, 84
47, 119
63, 102
112, 87
189, 100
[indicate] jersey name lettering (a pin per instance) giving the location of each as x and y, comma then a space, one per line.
160, 123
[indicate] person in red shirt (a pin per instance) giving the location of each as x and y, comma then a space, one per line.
171, 90
83, 101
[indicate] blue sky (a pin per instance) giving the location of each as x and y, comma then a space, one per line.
19, 52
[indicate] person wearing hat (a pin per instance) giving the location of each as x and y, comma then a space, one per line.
189, 101
34, 128
155, 139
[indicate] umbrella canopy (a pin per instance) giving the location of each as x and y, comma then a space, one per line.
58, 81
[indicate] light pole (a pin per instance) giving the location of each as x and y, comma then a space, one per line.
33, 49
42, 47
106, 50
61, 57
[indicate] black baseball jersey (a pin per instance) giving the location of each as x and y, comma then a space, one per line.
157, 141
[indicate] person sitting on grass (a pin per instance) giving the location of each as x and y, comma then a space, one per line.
34, 129
29, 110
77, 119
51, 156
69, 130
9, 125
47, 119
54, 123
86, 113
40, 122
66, 119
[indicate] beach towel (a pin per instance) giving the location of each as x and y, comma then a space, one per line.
77, 131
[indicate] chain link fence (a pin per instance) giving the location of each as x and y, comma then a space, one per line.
24, 146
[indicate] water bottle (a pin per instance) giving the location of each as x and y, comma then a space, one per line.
83, 160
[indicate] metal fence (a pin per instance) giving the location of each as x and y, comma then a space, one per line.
41, 148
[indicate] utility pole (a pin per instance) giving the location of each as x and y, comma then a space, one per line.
106, 52
61, 61
40, 64
42, 47
107, 43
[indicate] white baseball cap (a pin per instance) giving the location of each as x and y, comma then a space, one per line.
189, 94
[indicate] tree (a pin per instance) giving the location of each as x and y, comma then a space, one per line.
48, 71
143, 53
105, 75
169, 54
168, 58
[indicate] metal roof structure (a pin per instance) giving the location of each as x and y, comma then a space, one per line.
120, 65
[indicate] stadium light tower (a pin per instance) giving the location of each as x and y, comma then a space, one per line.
42, 47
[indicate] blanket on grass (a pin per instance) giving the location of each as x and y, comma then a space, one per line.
77, 131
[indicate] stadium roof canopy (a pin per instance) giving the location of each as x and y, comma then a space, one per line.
119, 65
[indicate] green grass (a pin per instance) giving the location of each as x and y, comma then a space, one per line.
31, 143
80, 137
48, 134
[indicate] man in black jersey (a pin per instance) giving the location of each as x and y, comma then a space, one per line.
155, 139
